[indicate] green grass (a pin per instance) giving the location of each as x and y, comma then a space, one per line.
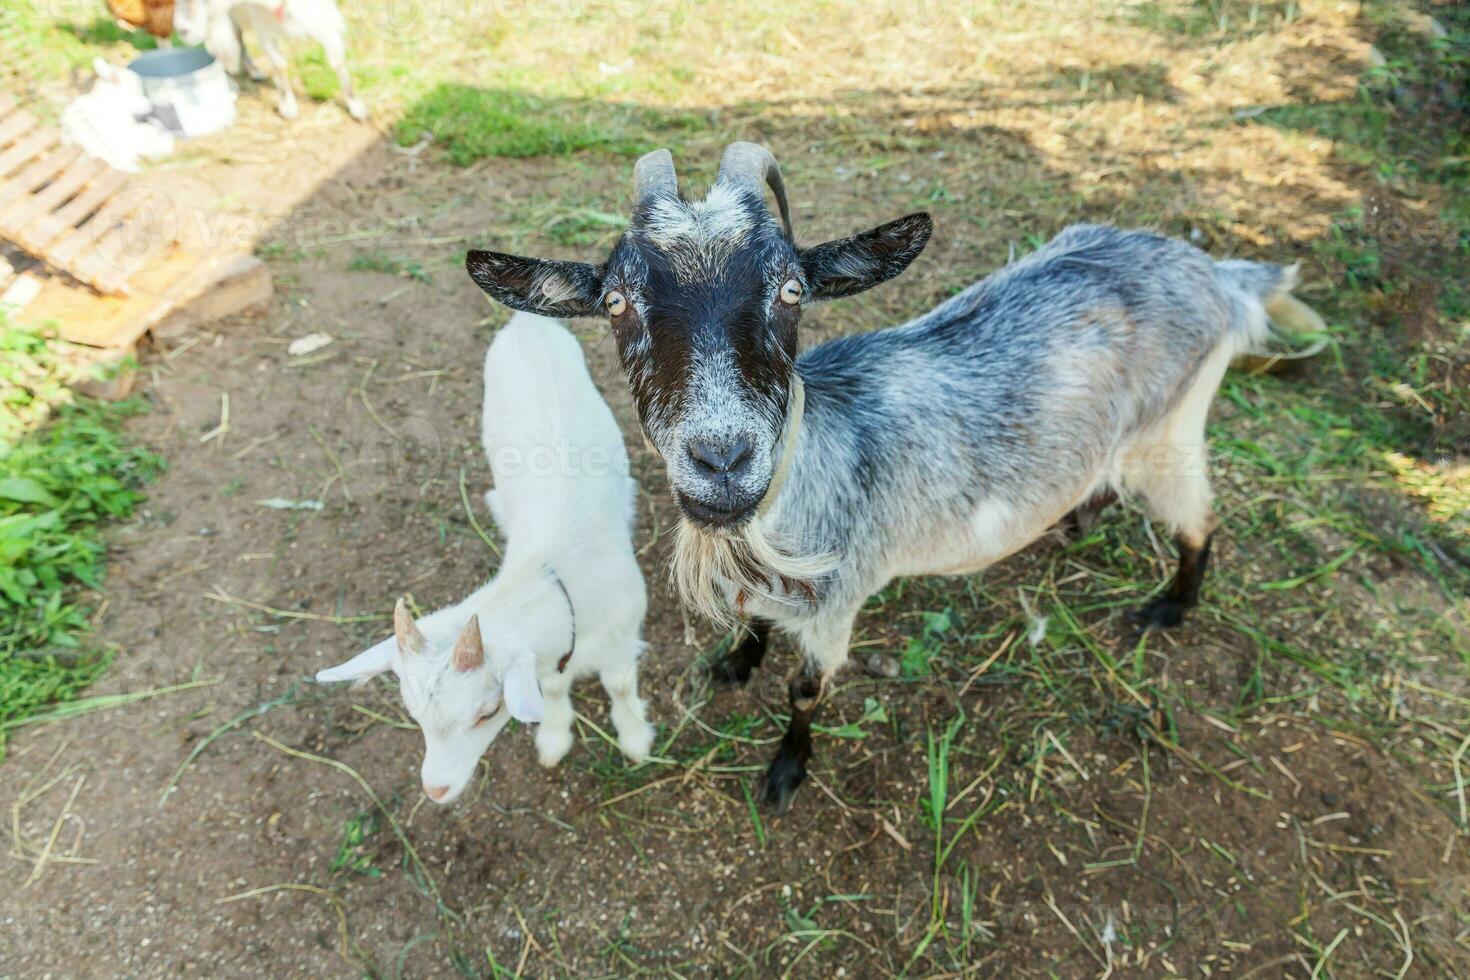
354, 852
377, 260
469, 123
59, 484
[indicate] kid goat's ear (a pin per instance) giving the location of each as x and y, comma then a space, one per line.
544, 286
523, 691
851, 265
370, 663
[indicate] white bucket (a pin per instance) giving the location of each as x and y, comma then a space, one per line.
189, 90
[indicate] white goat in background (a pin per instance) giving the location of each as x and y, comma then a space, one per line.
568, 599
219, 25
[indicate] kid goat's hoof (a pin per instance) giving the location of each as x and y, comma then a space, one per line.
782, 779
1165, 612
551, 748
635, 745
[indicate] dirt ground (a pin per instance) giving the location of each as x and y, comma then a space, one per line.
250, 823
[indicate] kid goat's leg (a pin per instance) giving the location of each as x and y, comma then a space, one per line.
733, 667
824, 648
635, 734
554, 734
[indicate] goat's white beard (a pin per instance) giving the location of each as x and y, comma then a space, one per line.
712, 568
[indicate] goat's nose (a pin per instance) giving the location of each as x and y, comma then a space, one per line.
719, 459
436, 793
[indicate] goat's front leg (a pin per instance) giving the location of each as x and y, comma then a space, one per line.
554, 734
825, 647
733, 667
635, 734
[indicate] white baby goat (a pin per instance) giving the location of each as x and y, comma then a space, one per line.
220, 24
568, 599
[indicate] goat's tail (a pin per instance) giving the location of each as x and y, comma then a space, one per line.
1260, 295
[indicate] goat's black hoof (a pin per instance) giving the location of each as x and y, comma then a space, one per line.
1165, 612
786, 773
726, 674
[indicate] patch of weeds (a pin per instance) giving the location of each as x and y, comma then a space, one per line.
280, 250
1147, 80
32, 381
378, 260
873, 714
353, 853
58, 482
920, 650
34, 45
58, 485
586, 226
470, 123
804, 926
1227, 19
318, 80
106, 31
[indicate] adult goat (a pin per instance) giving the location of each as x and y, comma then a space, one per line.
936, 447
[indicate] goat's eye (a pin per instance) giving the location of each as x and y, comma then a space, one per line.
791, 292
484, 717
616, 303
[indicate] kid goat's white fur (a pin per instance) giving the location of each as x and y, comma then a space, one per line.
219, 25
568, 599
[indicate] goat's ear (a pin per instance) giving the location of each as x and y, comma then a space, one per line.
851, 265
544, 286
523, 691
368, 664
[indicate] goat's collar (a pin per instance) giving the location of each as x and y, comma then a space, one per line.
566, 658
789, 434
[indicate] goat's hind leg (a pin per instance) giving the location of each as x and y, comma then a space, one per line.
1180, 497
746, 652
1182, 595
1170, 473
336, 54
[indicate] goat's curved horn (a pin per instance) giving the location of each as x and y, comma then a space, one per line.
653, 176
752, 164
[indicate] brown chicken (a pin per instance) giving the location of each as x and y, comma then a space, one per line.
154, 16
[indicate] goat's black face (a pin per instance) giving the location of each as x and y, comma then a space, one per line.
704, 300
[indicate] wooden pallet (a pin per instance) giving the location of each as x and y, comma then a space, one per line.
71, 210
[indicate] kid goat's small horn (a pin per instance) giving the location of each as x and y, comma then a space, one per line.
469, 649
410, 640
751, 165
653, 176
